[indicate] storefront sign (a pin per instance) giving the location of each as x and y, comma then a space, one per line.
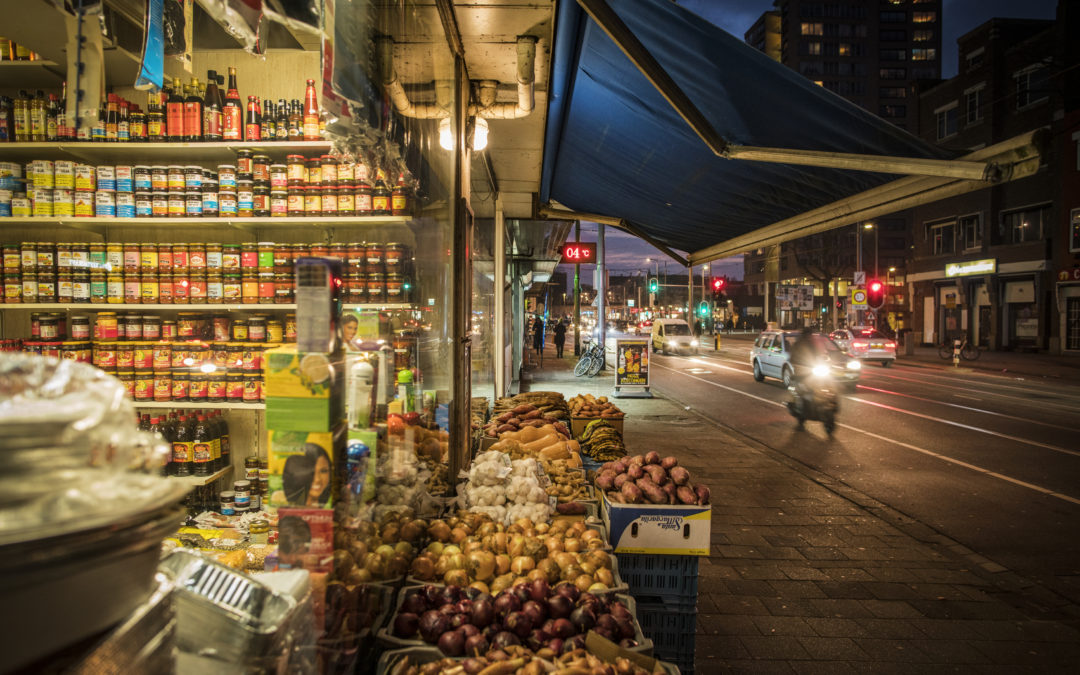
1069, 274
963, 269
632, 368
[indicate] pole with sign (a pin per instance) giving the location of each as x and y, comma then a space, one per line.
632, 368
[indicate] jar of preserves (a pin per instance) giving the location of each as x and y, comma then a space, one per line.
284, 289
132, 289
283, 261
144, 355
151, 327
65, 291
214, 260
266, 288
251, 357
159, 177
265, 255
127, 379
376, 255
261, 196
226, 177
313, 200
180, 259
162, 385
230, 257
28, 256
376, 287
329, 201
168, 329
114, 289
148, 258
98, 255
197, 257
249, 255
296, 169
46, 255
290, 328
210, 201
181, 384
98, 286
314, 172
395, 287
316, 250
275, 331
187, 325
329, 171
144, 385
227, 204
104, 354
253, 387
244, 164
159, 203
197, 386
339, 251
114, 256
149, 288
245, 198
394, 257
279, 176
165, 289
215, 385
260, 169
193, 202
346, 200
132, 325
249, 287
239, 330
176, 177
177, 204
48, 328
356, 288
80, 328
279, 202
231, 288
215, 288
12, 288
234, 385
29, 287
256, 331
345, 172
197, 288
294, 204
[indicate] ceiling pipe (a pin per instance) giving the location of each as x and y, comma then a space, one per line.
394, 88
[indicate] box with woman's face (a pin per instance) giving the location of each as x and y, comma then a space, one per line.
302, 467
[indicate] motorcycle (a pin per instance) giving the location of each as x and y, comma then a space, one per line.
815, 398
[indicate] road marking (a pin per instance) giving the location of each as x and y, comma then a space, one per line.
1026, 420
966, 426
909, 446
984, 385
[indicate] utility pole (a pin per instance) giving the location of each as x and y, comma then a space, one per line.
601, 288
577, 295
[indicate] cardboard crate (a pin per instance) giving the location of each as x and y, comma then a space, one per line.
659, 529
577, 424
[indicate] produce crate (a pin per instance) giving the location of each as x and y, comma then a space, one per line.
578, 424
658, 529
660, 578
427, 654
387, 638
672, 629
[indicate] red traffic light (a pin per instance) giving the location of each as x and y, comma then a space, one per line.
875, 286
875, 294
718, 283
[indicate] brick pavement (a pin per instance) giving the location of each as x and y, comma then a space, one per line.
807, 575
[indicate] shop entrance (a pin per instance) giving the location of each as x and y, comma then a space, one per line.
983, 332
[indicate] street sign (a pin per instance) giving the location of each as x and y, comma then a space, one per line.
858, 298
860, 279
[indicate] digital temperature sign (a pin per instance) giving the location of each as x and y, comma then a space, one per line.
579, 252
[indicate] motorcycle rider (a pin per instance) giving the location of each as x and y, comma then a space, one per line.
804, 354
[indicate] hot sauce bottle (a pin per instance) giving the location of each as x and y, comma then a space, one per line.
311, 113
251, 121
233, 112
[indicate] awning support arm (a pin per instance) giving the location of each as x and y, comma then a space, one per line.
563, 214
908, 166
622, 36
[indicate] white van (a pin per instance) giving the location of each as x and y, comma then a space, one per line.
673, 335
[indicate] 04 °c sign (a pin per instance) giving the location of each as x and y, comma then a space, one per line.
579, 252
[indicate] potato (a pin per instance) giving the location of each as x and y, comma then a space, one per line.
635, 471
656, 473
620, 479
702, 494
606, 480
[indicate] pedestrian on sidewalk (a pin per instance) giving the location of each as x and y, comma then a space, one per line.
538, 337
560, 338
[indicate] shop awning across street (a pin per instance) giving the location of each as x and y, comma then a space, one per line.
664, 124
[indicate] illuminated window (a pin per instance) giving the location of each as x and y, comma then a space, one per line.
946, 121
1024, 225
819, 83
813, 48
919, 54
808, 28
922, 36
924, 17
844, 49
942, 237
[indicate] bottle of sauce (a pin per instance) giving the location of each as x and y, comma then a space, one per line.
268, 122
212, 108
52, 123
37, 117
112, 119
380, 195
123, 127
281, 122
183, 442
137, 123
223, 437
22, 118
296, 119
251, 121
156, 427
203, 445
174, 112
193, 113
311, 113
232, 117
155, 119
399, 197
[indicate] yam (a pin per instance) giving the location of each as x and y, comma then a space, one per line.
670, 490
635, 471
680, 476
606, 480
637, 459
686, 495
650, 490
631, 493
702, 494
615, 497
669, 463
620, 479
571, 509
522, 409
652, 457
658, 475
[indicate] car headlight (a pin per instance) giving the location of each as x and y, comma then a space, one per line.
693, 343
854, 365
820, 370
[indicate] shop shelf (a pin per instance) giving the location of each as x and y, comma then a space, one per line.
669, 578
157, 153
95, 307
198, 405
195, 481
98, 225
31, 74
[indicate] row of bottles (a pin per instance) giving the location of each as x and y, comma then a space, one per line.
199, 440
12, 51
193, 112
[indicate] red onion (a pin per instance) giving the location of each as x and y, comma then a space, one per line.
535, 611
562, 628
559, 606
406, 624
483, 613
452, 643
519, 624
539, 590
432, 625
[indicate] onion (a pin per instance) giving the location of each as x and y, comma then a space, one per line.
505, 639
506, 603
583, 619
539, 591
519, 624
450, 595
433, 594
522, 592
452, 643
414, 602
476, 644
555, 645
405, 625
576, 642
459, 620
472, 666
483, 612
568, 591
607, 622
626, 626
606, 634
432, 625
559, 606
562, 628
536, 639
456, 578
470, 630
535, 611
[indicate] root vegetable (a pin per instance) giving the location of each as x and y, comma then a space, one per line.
669, 463
606, 480
635, 471
680, 476
658, 475
651, 491
686, 495
631, 493
702, 494
652, 457
670, 490
619, 480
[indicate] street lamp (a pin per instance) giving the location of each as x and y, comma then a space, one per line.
872, 226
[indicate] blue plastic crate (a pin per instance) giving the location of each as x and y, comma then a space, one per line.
672, 629
671, 578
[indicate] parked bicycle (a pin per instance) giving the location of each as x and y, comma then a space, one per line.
591, 360
968, 351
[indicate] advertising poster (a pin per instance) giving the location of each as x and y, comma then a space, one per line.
632, 369
306, 539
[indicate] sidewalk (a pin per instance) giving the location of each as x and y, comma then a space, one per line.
1005, 363
809, 576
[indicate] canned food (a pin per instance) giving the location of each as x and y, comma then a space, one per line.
105, 204
125, 179
125, 205
64, 173
85, 177
106, 178
63, 202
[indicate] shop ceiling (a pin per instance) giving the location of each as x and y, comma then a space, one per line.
665, 125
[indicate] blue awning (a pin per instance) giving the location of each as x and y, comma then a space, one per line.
615, 146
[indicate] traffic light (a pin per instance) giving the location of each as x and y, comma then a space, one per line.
875, 294
703, 308
719, 285
653, 285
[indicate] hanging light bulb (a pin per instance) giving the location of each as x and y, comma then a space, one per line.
480, 134
446, 138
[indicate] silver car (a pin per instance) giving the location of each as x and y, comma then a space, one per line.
771, 357
866, 343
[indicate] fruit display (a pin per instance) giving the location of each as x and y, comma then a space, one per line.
602, 442
591, 406
472, 550
536, 615
567, 483
521, 417
517, 659
649, 479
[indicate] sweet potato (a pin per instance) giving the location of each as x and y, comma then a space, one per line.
621, 465
503, 418
571, 509
608, 466
635, 471
670, 490
680, 476
620, 478
658, 475
669, 463
615, 497
532, 414
637, 459
651, 490
606, 480
702, 494
686, 495
652, 457
505, 427
522, 409
631, 493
